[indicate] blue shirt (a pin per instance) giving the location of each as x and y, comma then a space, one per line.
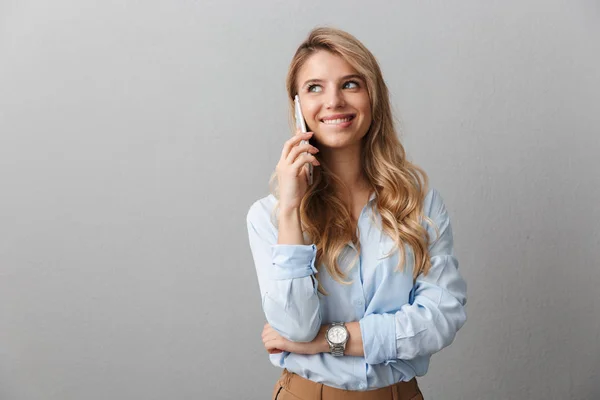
402, 325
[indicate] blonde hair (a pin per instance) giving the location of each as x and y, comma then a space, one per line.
400, 186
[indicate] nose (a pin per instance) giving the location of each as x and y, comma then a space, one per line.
335, 99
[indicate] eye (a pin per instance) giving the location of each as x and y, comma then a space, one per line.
351, 85
314, 88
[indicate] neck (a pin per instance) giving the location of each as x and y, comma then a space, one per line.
346, 165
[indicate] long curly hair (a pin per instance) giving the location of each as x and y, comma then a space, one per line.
399, 185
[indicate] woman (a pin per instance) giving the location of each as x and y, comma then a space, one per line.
357, 273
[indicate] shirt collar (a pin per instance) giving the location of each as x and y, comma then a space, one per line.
372, 197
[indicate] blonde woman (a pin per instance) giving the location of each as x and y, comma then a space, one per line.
357, 273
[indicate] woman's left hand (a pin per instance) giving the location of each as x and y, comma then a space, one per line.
275, 343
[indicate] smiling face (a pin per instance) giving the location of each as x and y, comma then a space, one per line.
335, 100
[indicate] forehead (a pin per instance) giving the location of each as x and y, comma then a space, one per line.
324, 65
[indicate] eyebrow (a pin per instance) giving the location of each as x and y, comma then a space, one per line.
343, 78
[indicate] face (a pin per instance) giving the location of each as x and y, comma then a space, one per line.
335, 101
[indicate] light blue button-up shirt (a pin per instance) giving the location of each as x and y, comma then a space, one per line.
401, 325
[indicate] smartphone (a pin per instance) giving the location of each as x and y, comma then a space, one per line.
301, 124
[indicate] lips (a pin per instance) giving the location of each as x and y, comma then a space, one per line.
337, 119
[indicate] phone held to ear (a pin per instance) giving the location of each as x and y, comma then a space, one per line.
301, 124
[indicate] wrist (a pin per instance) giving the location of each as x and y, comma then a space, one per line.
320, 343
290, 227
289, 212
337, 337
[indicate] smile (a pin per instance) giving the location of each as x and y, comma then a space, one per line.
337, 119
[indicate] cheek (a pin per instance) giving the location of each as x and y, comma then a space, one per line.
311, 112
367, 111
310, 115
366, 104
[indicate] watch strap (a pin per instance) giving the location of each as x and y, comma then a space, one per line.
337, 350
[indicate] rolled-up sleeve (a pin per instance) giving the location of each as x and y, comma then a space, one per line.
430, 323
436, 308
285, 273
378, 334
293, 261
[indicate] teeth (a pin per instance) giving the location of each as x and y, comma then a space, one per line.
335, 121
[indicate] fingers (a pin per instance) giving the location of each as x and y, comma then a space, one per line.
297, 155
271, 340
301, 149
303, 159
268, 334
293, 141
295, 169
273, 345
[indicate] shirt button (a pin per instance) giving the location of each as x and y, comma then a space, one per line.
362, 386
359, 302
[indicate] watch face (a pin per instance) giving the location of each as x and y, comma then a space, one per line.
337, 334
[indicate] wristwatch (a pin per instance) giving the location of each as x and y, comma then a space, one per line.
337, 336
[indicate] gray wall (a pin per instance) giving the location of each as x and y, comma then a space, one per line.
135, 135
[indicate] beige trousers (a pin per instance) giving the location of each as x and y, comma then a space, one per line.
291, 386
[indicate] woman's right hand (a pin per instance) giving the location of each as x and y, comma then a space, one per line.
292, 174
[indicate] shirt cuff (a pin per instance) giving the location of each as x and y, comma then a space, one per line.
293, 261
379, 337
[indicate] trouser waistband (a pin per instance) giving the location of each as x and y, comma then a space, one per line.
309, 390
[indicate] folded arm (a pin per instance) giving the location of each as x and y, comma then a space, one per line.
425, 325
435, 312
286, 278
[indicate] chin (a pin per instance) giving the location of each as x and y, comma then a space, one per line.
337, 143
339, 139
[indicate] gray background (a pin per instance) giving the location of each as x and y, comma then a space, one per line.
135, 136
